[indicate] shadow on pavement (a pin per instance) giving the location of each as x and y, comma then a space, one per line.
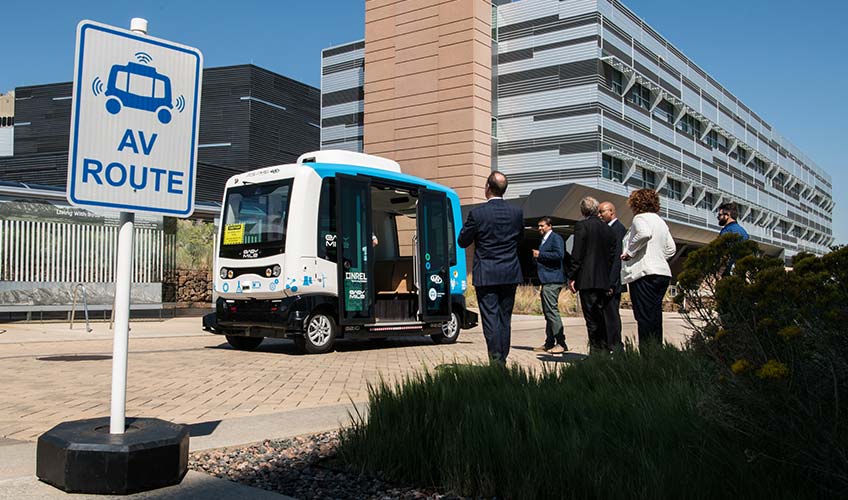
286, 346
566, 357
203, 428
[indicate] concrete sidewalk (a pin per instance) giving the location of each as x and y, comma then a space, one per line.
17, 459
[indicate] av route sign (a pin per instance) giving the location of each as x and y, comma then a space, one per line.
134, 122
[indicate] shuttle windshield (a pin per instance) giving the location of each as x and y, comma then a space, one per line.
255, 218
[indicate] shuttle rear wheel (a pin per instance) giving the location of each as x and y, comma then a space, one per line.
244, 343
319, 334
450, 331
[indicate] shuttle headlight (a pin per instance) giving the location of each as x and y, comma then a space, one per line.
223, 273
230, 273
273, 271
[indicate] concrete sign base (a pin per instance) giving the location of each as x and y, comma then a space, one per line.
83, 457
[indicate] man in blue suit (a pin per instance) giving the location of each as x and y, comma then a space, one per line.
495, 228
549, 259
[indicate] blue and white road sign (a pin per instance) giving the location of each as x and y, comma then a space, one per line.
134, 122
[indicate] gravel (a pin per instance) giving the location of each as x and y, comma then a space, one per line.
302, 467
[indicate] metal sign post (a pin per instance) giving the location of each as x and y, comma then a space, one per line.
133, 147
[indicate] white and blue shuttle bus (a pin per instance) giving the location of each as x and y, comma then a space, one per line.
340, 244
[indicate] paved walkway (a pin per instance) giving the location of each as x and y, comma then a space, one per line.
179, 373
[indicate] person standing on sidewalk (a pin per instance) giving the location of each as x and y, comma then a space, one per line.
496, 228
549, 259
592, 257
727, 215
647, 248
612, 314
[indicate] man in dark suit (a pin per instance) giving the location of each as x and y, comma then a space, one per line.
549, 259
612, 316
495, 228
592, 257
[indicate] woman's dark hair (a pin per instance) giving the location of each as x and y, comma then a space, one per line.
644, 200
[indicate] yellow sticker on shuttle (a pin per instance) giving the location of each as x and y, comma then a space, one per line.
233, 234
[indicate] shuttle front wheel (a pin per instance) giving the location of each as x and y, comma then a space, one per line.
319, 334
244, 343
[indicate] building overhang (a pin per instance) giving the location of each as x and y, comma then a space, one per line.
562, 205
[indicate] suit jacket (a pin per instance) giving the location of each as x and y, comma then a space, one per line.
549, 261
592, 254
496, 228
615, 274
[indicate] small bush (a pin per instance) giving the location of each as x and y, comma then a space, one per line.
528, 301
622, 427
778, 339
195, 244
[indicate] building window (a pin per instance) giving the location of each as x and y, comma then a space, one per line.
758, 166
707, 202
712, 139
616, 82
722, 143
494, 127
640, 96
665, 111
741, 155
690, 125
674, 189
612, 168
649, 179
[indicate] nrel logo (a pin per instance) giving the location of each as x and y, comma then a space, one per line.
134, 122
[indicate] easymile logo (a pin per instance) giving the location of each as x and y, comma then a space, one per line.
250, 253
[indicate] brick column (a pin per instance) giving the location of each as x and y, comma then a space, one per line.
428, 78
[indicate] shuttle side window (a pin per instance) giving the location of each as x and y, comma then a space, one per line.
327, 221
451, 235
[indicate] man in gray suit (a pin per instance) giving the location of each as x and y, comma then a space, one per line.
549, 259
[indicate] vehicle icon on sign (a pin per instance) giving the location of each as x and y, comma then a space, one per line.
140, 87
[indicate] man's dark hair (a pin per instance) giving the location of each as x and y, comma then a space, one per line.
497, 183
546, 220
731, 208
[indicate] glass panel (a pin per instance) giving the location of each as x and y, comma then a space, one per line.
354, 247
256, 216
451, 235
433, 256
327, 240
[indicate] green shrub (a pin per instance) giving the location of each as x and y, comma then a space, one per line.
778, 339
622, 427
195, 244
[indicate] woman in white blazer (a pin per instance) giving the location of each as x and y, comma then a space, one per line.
647, 247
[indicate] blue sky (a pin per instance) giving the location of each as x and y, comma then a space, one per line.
784, 59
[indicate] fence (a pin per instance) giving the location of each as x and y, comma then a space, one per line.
35, 251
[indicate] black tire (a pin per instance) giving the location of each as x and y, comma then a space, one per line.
319, 334
450, 331
244, 343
